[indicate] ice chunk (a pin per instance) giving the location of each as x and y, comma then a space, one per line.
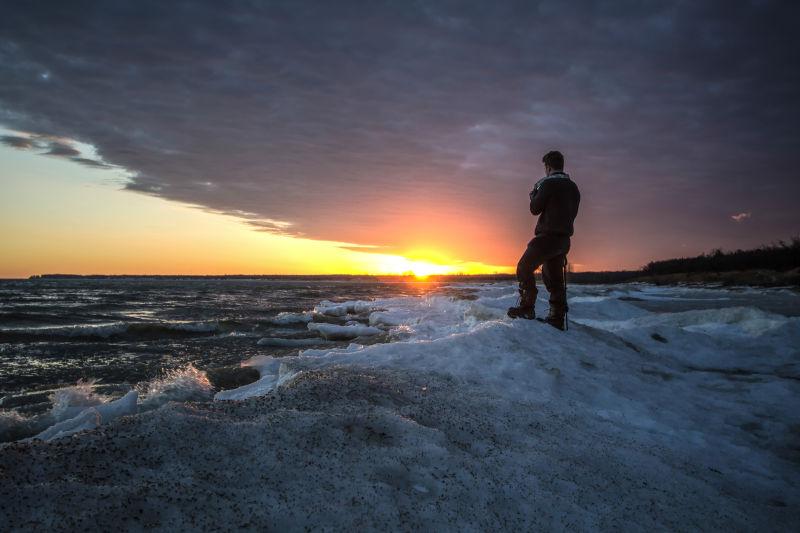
290, 343
68, 402
291, 318
337, 332
352, 347
92, 417
385, 318
88, 419
273, 374
342, 308
744, 321
121, 407
263, 363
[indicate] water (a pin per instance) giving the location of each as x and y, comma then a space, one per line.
123, 332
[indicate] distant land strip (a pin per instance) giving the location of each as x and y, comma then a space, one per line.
777, 264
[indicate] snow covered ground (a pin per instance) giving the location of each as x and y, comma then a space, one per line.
661, 408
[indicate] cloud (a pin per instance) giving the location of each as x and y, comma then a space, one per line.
393, 124
50, 145
63, 150
16, 142
740, 217
90, 162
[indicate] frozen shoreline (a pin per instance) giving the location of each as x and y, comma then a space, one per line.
633, 419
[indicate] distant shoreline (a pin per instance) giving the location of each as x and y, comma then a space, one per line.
753, 277
771, 265
316, 277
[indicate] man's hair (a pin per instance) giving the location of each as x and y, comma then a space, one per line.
554, 160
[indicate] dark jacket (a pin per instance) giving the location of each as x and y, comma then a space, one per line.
555, 199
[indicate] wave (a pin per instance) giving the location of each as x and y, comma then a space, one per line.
179, 385
80, 407
111, 331
28, 316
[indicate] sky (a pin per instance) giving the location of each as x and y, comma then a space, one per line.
384, 137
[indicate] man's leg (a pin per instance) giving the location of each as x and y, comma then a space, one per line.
531, 260
553, 277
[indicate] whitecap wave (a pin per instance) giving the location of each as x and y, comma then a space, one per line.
179, 385
70, 401
80, 407
109, 330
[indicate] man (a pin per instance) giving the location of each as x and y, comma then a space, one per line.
555, 200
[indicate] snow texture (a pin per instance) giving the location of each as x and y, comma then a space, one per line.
634, 419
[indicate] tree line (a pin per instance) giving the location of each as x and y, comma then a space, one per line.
780, 256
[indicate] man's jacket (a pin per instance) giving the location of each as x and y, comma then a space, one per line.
555, 198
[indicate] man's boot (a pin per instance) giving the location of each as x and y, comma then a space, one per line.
556, 316
527, 302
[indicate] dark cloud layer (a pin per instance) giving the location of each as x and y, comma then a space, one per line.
48, 145
63, 150
16, 142
391, 123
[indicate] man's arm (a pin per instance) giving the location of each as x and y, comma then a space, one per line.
539, 199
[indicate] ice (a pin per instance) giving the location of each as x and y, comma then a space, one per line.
286, 318
383, 318
343, 308
89, 418
290, 343
727, 321
79, 407
350, 348
337, 332
273, 374
70, 401
637, 418
265, 384
265, 364
92, 417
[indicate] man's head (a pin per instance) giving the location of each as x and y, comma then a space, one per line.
553, 161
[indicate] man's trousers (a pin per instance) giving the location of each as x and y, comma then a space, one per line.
549, 252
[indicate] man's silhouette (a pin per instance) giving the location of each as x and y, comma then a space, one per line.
555, 200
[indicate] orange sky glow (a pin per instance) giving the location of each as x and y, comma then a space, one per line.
60, 217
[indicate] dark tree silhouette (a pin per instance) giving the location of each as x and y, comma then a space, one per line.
781, 257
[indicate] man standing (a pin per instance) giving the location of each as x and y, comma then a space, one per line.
555, 200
